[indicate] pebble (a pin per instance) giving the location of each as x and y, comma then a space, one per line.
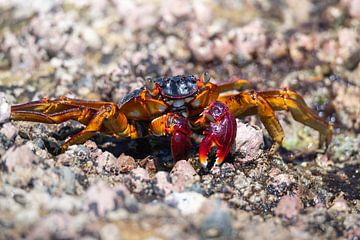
183, 175
188, 203
18, 157
201, 47
5, 109
248, 142
126, 163
217, 225
105, 161
91, 37
110, 232
55, 225
340, 204
67, 179
279, 182
9, 130
163, 182
354, 8
100, 199
250, 39
137, 180
289, 207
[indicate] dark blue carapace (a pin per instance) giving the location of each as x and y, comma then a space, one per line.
179, 86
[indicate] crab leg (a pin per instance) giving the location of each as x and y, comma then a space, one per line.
237, 84
98, 116
179, 129
46, 105
220, 132
265, 103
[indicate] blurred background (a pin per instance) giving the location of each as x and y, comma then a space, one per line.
102, 49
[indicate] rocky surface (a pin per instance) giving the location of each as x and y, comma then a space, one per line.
111, 189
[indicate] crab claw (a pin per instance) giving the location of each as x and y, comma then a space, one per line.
180, 140
221, 132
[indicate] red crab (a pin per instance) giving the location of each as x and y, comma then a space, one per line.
178, 106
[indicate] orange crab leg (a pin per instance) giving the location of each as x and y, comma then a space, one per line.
237, 84
98, 116
291, 101
264, 103
107, 119
79, 114
46, 105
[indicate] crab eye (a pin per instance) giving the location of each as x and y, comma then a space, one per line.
206, 77
149, 84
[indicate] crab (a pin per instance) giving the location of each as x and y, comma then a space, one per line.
182, 107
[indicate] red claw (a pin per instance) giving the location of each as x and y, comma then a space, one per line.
180, 139
180, 146
220, 133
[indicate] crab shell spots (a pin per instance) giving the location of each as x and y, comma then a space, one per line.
178, 86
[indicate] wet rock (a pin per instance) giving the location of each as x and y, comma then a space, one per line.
188, 203
183, 175
248, 142
289, 207
100, 199
18, 158
4, 109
